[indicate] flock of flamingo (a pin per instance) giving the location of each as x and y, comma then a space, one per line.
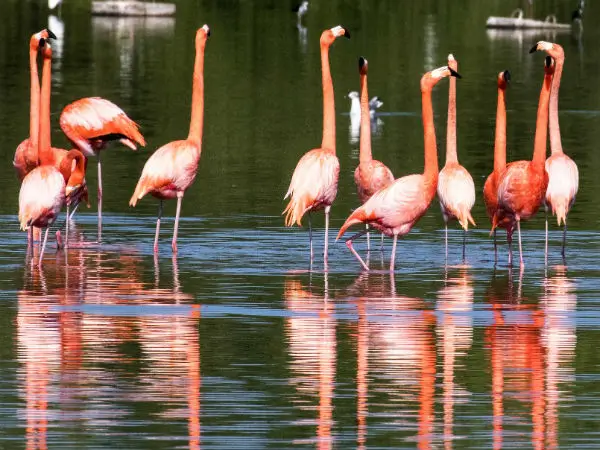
52, 178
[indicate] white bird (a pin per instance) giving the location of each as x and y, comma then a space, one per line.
301, 10
374, 104
53, 4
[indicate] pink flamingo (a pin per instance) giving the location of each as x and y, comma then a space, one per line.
490, 188
26, 155
563, 174
42, 193
171, 169
370, 175
315, 179
395, 209
522, 185
455, 189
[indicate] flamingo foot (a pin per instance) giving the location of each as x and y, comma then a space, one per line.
356, 255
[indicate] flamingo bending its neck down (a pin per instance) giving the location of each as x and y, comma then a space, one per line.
563, 175
396, 208
171, 169
455, 189
26, 156
490, 188
370, 175
315, 179
90, 123
522, 186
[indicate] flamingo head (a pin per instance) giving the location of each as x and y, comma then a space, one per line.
503, 80
552, 49
431, 78
328, 36
452, 63
363, 65
39, 39
202, 35
45, 49
549, 66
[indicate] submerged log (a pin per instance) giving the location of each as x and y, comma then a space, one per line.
131, 8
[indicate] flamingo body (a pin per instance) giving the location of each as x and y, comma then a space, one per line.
370, 178
41, 197
313, 186
490, 198
521, 190
91, 121
456, 192
22, 162
563, 184
171, 169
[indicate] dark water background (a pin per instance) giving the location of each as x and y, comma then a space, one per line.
235, 344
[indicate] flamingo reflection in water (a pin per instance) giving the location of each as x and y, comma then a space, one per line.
55, 337
313, 351
455, 336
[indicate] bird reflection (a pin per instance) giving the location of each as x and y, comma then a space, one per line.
455, 335
58, 28
71, 356
311, 334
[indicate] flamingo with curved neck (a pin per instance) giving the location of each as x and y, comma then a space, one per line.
315, 178
563, 173
522, 186
396, 208
455, 189
370, 175
172, 169
490, 188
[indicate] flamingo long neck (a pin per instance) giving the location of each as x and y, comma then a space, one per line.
45, 151
328, 142
34, 106
500, 139
451, 155
67, 164
365, 123
431, 160
197, 120
555, 140
541, 124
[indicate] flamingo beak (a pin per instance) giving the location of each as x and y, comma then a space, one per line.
534, 49
51, 35
454, 73
346, 33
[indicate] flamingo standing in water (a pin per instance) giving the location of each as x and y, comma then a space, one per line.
370, 175
171, 169
42, 193
315, 179
90, 123
563, 174
522, 185
26, 156
455, 189
490, 188
395, 209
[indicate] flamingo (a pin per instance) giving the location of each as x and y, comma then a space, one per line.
455, 189
26, 156
396, 208
171, 169
370, 175
522, 185
490, 188
43, 190
315, 179
562, 171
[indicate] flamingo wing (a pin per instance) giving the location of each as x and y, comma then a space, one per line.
456, 192
314, 184
171, 169
563, 184
41, 197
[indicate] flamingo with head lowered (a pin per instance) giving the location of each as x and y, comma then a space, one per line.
563, 175
522, 185
315, 179
395, 209
172, 169
455, 189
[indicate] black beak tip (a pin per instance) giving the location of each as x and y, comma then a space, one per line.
454, 73
361, 62
533, 49
548, 61
506, 76
208, 33
41, 43
51, 35
346, 33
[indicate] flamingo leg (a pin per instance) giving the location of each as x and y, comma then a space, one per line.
354, 252
495, 249
381, 247
546, 241
30, 238
509, 240
464, 246
368, 237
43, 247
521, 263
564, 243
70, 217
160, 212
310, 236
174, 243
327, 209
99, 198
393, 259
67, 227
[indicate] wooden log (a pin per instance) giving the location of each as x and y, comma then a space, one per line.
131, 8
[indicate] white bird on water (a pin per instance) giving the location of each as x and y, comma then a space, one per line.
53, 4
301, 9
374, 104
